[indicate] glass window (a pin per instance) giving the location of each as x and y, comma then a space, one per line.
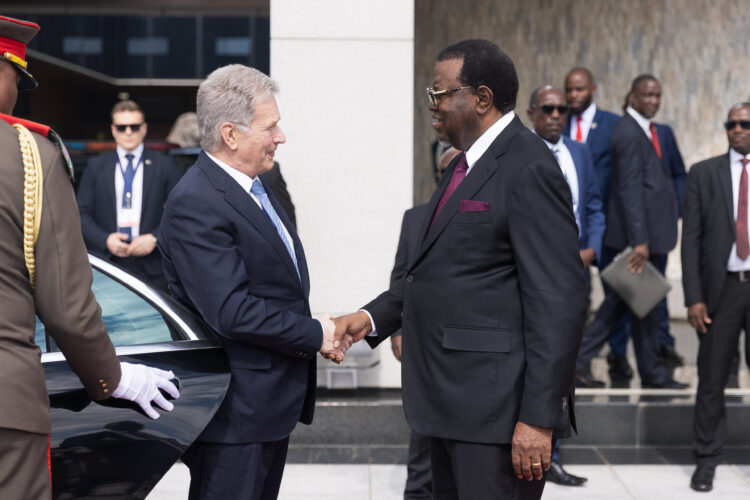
129, 318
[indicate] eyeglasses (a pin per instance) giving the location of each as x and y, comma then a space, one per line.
135, 127
435, 95
548, 109
730, 124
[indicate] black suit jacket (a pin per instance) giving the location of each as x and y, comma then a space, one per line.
642, 201
97, 204
492, 301
224, 259
708, 231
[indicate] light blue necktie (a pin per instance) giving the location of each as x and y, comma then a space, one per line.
258, 190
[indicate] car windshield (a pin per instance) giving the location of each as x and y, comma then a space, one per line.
129, 318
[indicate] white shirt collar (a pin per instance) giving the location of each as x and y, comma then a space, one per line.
589, 113
735, 157
137, 154
244, 180
642, 121
482, 144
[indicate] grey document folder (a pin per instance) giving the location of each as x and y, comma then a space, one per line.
641, 292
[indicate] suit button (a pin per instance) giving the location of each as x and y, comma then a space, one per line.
410, 278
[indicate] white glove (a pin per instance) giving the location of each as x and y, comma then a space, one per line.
141, 383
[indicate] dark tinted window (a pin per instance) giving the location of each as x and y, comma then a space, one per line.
129, 318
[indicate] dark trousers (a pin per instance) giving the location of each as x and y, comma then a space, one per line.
248, 471
418, 469
718, 347
24, 473
618, 338
476, 471
645, 334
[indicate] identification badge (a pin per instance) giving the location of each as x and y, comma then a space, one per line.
128, 218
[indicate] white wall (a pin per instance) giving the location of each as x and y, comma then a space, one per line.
346, 73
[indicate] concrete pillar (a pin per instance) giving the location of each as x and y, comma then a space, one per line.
346, 73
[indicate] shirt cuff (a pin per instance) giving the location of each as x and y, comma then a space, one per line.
374, 332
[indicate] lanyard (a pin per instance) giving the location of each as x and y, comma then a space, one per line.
127, 191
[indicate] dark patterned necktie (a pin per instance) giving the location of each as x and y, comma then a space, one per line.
458, 175
743, 245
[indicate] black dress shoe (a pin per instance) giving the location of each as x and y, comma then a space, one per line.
670, 356
584, 378
619, 368
557, 474
703, 478
667, 383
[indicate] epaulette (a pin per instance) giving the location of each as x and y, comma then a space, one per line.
44, 131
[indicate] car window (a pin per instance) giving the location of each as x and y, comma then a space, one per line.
129, 318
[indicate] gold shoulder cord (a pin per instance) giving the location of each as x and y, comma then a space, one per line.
32, 196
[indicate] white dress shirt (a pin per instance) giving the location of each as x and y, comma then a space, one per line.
642, 121
246, 182
735, 163
137, 192
587, 118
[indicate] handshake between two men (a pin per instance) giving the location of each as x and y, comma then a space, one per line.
341, 332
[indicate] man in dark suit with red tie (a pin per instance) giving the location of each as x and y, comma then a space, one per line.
493, 300
589, 124
716, 282
121, 198
642, 214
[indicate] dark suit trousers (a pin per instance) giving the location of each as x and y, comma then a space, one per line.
418, 469
476, 471
715, 354
645, 334
247, 471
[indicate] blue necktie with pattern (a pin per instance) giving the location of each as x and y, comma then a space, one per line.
258, 190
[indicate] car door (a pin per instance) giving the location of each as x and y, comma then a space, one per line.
111, 449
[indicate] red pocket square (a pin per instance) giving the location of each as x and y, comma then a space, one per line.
473, 206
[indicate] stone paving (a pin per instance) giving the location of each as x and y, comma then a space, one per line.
386, 482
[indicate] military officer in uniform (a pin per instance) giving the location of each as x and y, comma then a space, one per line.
44, 271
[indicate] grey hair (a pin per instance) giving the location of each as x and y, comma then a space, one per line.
228, 94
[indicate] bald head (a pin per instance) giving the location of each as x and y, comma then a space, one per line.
579, 89
548, 112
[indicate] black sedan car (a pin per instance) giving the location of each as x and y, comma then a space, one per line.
111, 449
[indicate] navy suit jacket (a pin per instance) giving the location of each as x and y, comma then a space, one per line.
224, 259
97, 205
643, 204
670, 155
598, 142
589, 201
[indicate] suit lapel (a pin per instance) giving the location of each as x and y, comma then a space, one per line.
110, 170
244, 204
593, 134
475, 179
304, 275
725, 181
148, 184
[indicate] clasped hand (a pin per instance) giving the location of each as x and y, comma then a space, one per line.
341, 332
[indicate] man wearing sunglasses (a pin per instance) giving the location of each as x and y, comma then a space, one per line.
716, 282
121, 198
547, 112
492, 301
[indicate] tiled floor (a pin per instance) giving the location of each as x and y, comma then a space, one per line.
385, 482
